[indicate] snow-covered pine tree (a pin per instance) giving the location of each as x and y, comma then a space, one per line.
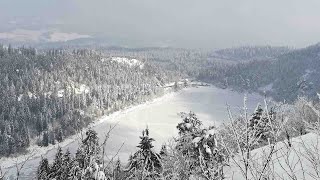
86, 164
56, 168
199, 148
145, 163
43, 169
260, 123
88, 158
90, 147
190, 123
67, 164
163, 151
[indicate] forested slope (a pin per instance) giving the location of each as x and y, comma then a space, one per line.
50, 95
249, 53
286, 77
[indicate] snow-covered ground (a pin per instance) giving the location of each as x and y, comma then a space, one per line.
73, 87
130, 62
300, 161
160, 115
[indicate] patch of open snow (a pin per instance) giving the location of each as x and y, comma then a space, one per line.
130, 62
31, 95
20, 97
82, 89
181, 82
286, 161
60, 93
78, 88
73, 87
47, 94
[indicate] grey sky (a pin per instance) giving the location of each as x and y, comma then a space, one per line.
178, 23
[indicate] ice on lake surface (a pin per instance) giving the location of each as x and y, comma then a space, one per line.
209, 103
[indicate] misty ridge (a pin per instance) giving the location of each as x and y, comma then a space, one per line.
115, 90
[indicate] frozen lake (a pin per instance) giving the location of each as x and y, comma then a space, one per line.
161, 116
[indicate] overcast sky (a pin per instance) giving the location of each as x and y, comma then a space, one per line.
178, 23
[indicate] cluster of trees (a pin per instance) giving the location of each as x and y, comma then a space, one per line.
286, 77
280, 72
52, 94
195, 153
248, 53
283, 73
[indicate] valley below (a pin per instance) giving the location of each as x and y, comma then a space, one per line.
160, 115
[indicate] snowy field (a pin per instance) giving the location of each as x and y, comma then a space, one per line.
300, 161
160, 115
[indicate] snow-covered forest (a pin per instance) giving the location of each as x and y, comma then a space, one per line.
159, 90
284, 77
48, 95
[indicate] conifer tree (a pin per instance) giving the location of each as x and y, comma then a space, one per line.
199, 149
260, 123
43, 169
56, 168
145, 163
67, 164
45, 139
163, 151
117, 172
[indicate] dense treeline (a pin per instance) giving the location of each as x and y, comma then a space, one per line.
174, 60
280, 72
248, 53
286, 77
50, 95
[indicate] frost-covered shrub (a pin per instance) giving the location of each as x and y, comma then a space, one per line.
250, 131
198, 150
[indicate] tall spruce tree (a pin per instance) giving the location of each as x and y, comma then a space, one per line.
145, 163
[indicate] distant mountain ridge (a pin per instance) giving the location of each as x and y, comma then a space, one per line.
285, 74
247, 53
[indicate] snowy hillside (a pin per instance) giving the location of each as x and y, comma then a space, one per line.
300, 161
